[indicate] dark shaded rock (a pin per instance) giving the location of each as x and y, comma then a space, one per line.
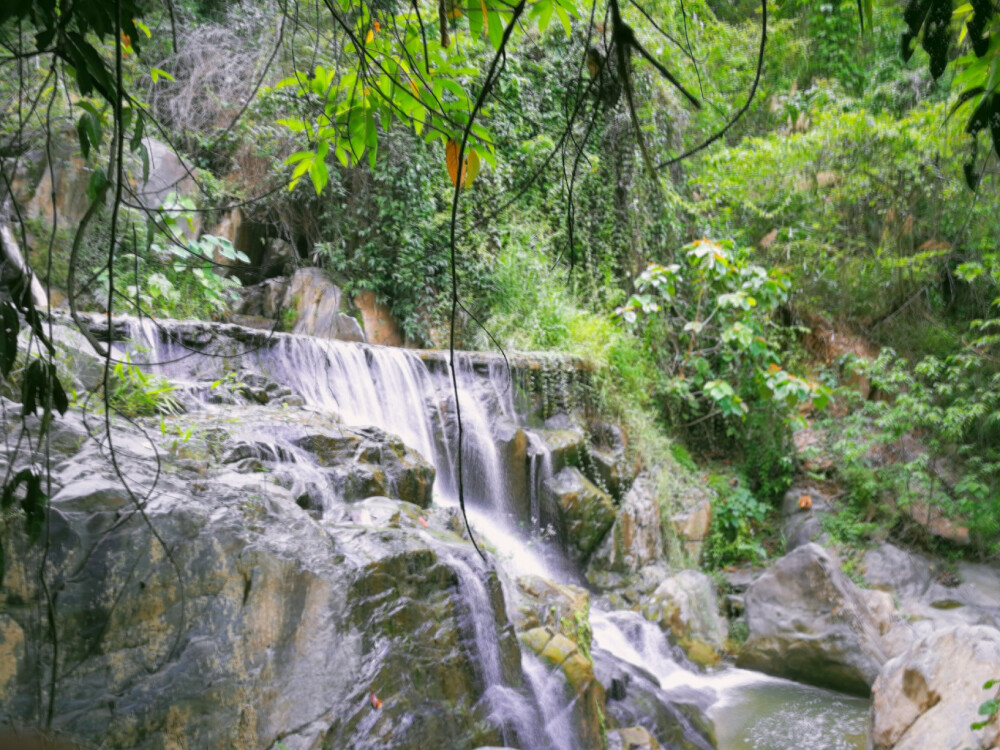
367, 461
581, 512
677, 718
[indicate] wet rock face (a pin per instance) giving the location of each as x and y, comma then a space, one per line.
232, 618
581, 512
809, 622
585, 693
367, 461
929, 696
686, 605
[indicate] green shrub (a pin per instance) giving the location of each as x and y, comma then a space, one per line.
737, 521
133, 392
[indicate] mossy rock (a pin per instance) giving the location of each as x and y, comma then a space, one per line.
582, 513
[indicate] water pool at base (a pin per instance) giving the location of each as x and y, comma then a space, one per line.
773, 714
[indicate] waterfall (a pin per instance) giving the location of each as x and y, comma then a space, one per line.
509, 709
391, 388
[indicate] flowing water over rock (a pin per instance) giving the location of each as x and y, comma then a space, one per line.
751, 711
413, 623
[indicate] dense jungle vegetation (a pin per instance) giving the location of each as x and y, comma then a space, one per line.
828, 261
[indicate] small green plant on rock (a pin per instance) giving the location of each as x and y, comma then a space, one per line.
133, 392
988, 709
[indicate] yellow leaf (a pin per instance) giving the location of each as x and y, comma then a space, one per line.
414, 88
472, 165
469, 169
370, 37
486, 18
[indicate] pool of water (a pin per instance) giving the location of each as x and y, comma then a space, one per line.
772, 714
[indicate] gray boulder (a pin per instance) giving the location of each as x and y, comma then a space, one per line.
635, 538
801, 513
686, 605
928, 697
809, 622
317, 304
971, 598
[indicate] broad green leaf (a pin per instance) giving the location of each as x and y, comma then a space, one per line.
564, 20
157, 73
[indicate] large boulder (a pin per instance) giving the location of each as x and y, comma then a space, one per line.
686, 605
928, 697
316, 304
635, 539
581, 512
809, 622
890, 568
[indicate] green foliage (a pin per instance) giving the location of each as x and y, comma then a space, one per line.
848, 526
941, 417
737, 521
385, 234
767, 455
988, 708
418, 77
682, 457
708, 324
133, 392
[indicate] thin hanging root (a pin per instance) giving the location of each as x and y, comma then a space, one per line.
664, 72
623, 38
627, 83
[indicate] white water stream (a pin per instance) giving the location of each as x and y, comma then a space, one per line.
394, 389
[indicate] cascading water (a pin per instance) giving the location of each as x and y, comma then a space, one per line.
398, 391
752, 711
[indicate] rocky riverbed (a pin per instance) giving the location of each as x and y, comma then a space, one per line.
283, 565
